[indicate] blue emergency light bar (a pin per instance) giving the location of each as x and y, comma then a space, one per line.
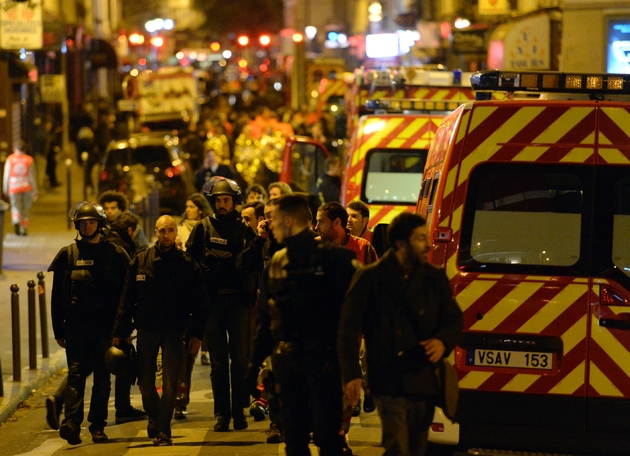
549, 81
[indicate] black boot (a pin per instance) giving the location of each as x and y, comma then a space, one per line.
17, 228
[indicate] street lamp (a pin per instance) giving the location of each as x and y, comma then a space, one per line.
298, 76
153, 27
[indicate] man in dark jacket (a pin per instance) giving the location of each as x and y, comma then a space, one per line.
211, 167
87, 284
300, 304
222, 244
165, 296
405, 310
328, 185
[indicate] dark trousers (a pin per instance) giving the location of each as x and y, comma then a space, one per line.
309, 386
85, 353
159, 409
227, 331
122, 392
185, 377
51, 168
122, 399
405, 425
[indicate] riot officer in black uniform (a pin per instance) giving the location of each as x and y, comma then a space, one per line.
299, 310
222, 244
87, 285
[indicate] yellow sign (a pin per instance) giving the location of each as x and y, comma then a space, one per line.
52, 88
21, 25
494, 7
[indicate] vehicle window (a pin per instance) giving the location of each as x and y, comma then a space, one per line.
621, 226
150, 155
523, 215
393, 176
307, 163
117, 158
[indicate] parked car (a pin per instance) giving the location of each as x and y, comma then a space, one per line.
147, 161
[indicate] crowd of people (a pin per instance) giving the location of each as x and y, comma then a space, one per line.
276, 289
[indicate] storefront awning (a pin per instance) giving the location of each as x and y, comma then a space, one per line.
101, 54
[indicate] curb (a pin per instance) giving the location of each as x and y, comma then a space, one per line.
17, 392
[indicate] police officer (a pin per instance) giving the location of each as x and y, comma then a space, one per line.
165, 296
299, 309
87, 284
222, 244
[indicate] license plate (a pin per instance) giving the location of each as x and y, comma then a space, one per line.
513, 359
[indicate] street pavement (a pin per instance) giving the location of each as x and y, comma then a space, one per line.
22, 408
26, 432
23, 258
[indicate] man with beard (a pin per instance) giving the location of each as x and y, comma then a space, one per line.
221, 244
404, 308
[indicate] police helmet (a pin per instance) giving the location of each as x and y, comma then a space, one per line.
218, 185
122, 360
87, 211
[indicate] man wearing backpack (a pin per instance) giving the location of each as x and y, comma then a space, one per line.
222, 244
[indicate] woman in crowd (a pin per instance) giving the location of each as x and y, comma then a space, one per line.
197, 208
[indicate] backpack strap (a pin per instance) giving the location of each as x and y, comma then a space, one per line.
73, 252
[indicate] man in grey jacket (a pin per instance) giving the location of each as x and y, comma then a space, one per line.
405, 310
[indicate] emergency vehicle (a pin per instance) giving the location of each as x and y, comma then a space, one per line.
330, 100
302, 163
528, 207
404, 83
170, 94
389, 147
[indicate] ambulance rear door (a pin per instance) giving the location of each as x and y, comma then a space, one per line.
519, 264
385, 166
608, 386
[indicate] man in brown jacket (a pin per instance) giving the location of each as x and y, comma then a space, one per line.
405, 310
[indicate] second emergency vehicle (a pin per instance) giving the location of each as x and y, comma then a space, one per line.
528, 207
389, 146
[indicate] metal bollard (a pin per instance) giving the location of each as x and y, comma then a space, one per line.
4, 207
69, 188
1, 382
32, 327
15, 324
43, 315
84, 164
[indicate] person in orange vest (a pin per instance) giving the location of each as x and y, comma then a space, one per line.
20, 184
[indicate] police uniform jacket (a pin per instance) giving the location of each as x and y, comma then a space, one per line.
303, 290
394, 314
87, 284
224, 249
164, 291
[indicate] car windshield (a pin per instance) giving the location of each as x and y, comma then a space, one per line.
144, 155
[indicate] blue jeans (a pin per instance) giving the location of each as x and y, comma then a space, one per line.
227, 331
159, 409
85, 352
405, 425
